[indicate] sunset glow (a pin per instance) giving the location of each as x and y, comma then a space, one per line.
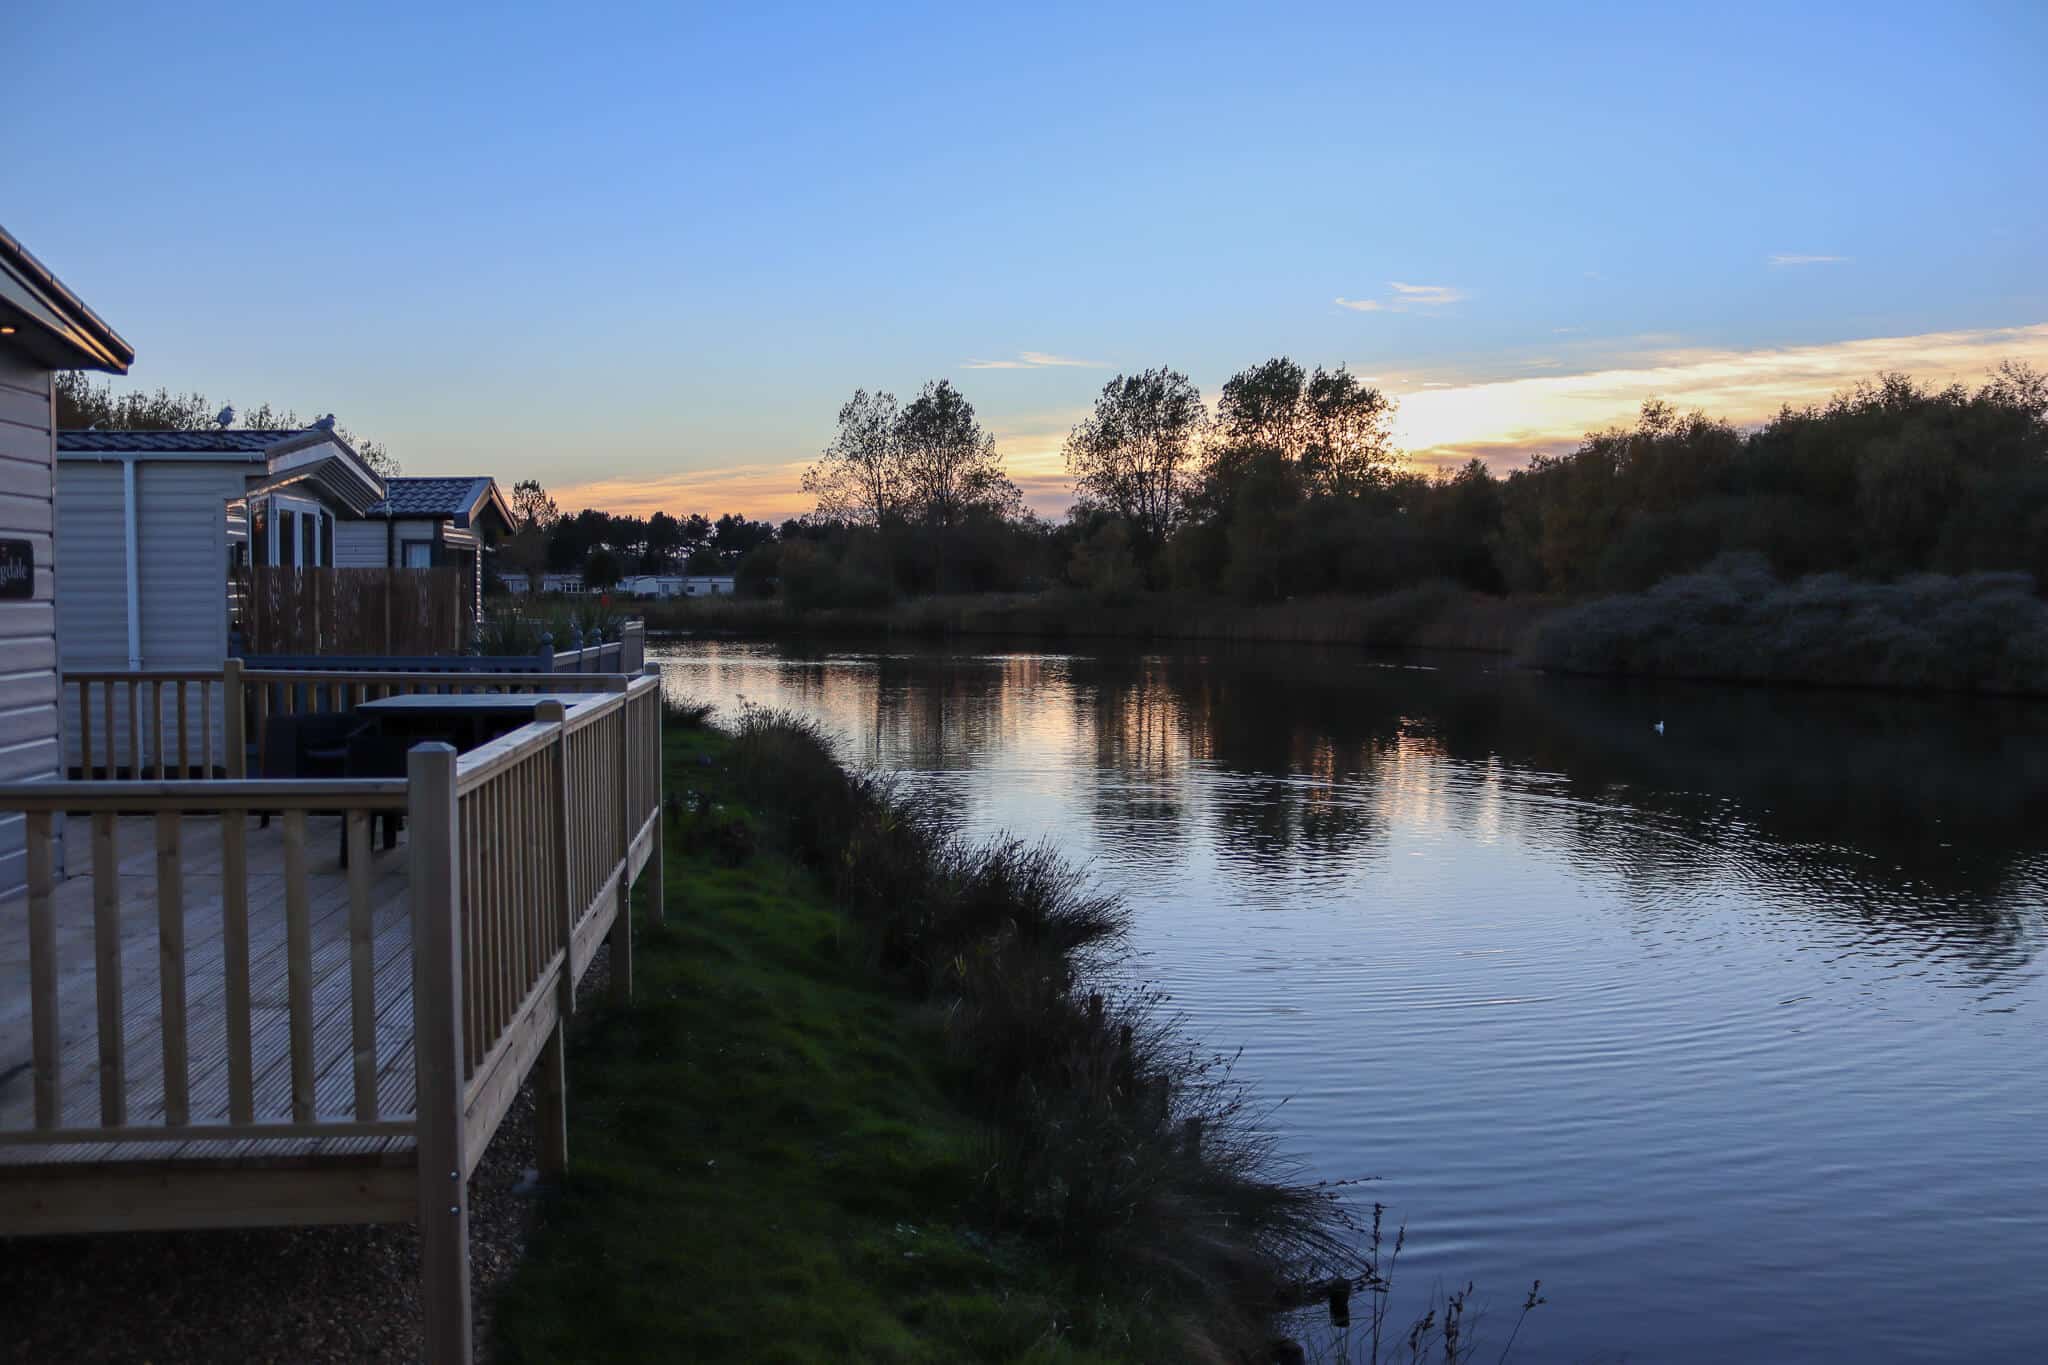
1442, 418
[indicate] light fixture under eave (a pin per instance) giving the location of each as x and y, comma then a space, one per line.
5, 330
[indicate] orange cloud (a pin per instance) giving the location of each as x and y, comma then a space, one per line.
766, 492
1441, 420
1504, 421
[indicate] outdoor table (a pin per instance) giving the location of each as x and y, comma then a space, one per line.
464, 719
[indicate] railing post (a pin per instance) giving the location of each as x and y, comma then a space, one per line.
551, 1107
553, 713
622, 922
437, 1052
655, 758
232, 721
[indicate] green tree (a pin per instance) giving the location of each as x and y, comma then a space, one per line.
601, 570
81, 403
949, 463
1332, 424
1135, 455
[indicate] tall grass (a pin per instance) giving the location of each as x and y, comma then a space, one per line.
1735, 621
1112, 1138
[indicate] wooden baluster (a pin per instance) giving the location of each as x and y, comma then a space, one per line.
299, 963
107, 722
84, 723
234, 937
206, 727
45, 1053
156, 727
362, 965
106, 938
170, 937
184, 749
438, 1051
134, 729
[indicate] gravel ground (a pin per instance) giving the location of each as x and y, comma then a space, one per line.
264, 1295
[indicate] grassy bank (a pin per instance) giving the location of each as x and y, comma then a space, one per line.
1433, 616
861, 1108
1736, 622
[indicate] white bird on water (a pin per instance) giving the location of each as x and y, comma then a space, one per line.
1658, 727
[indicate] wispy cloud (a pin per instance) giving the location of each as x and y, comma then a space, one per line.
1427, 295
1784, 258
1034, 360
1405, 298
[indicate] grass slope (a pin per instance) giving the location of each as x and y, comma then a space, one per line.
764, 1162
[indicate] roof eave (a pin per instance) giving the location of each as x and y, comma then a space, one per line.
79, 334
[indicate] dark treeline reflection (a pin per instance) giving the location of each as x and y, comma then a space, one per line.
1919, 820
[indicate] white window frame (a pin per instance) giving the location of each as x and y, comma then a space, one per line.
300, 508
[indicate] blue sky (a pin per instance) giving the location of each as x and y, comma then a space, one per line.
644, 253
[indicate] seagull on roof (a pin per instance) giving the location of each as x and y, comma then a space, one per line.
225, 418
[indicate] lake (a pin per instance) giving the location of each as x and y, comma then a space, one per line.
1735, 1035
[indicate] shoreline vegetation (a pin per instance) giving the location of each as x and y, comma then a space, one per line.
1732, 622
1858, 527
1428, 616
876, 1099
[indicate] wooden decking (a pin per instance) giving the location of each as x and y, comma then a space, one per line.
207, 1021
205, 993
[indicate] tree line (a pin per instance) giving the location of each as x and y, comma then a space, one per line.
1293, 485
605, 547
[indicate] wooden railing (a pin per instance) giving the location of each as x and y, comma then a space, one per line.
253, 695
584, 787
227, 1090
117, 724
521, 856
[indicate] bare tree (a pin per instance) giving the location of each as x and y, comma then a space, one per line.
858, 478
1135, 455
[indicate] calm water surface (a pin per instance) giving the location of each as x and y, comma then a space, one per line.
1737, 1037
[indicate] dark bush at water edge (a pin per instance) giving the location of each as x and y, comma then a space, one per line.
1113, 1141
1110, 1140
1736, 621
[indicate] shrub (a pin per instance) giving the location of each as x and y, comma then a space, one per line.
1736, 621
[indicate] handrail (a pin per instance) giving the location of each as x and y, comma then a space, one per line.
553, 682
197, 796
484, 762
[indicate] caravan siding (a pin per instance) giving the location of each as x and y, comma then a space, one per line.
29, 718
181, 537
359, 544
92, 610
184, 561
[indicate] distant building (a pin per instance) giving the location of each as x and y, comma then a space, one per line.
676, 585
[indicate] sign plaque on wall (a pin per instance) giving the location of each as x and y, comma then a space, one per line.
17, 570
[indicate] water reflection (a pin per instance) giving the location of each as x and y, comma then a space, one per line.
1692, 1025
1922, 822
